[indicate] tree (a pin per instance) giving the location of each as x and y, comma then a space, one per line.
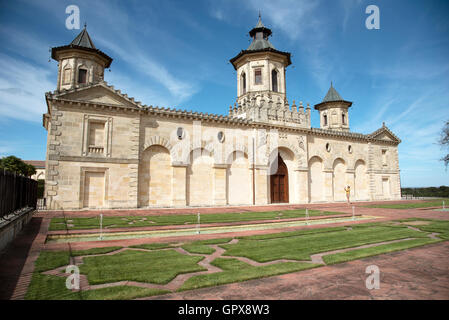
14, 164
444, 142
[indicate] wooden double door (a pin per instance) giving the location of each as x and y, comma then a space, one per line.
279, 183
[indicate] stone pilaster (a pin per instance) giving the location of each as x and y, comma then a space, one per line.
262, 181
302, 185
328, 185
220, 184
370, 171
179, 191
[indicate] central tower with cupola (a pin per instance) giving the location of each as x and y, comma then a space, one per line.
260, 68
261, 88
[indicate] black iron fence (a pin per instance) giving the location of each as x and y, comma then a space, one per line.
16, 192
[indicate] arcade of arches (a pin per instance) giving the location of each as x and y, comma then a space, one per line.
207, 184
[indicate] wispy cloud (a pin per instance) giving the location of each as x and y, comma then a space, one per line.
22, 88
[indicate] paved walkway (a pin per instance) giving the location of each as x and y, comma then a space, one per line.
17, 263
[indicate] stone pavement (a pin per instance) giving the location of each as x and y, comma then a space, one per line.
17, 263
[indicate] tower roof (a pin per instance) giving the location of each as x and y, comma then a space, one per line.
260, 43
82, 42
332, 96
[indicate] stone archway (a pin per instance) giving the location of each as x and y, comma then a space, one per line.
279, 183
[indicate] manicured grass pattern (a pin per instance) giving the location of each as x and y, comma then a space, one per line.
236, 271
373, 251
202, 246
148, 221
46, 287
301, 247
159, 267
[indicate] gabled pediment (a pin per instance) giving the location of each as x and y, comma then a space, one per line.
385, 134
96, 94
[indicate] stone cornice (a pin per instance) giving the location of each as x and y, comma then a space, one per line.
138, 108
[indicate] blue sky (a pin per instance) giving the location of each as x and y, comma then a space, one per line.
176, 54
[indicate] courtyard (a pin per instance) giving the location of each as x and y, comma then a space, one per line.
321, 255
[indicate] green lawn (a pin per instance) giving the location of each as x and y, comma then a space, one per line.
159, 266
236, 271
148, 221
302, 246
373, 251
45, 287
424, 204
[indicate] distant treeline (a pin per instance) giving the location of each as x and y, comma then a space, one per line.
441, 192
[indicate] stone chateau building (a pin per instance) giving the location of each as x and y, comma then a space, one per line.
106, 150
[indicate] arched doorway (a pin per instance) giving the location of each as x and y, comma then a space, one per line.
279, 183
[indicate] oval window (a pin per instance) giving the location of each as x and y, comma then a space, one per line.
328, 147
350, 149
180, 133
220, 136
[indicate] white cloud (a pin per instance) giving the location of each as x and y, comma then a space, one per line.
22, 89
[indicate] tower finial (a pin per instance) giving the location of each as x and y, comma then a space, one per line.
85, 25
331, 83
259, 15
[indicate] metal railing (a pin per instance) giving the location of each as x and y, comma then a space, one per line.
16, 192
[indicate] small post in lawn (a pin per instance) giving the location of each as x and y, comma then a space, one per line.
307, 216
101, 226
353, 213
198, 226
443, 206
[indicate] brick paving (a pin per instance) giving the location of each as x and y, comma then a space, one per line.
427, 266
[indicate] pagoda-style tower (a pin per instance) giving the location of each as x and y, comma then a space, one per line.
334, 111
80, 63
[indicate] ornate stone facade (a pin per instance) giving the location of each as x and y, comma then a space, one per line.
105, 150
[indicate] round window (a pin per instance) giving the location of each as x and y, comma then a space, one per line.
180, 133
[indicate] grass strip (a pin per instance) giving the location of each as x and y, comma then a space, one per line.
94, 251
426, 204
373, 251
77, 223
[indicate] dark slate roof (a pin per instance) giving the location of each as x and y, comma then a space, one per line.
332, 95
85, 43
83, 40
260, 45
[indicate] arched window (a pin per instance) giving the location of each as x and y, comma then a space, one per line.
325, 119
243, 81
274, 80
343, 120
82, 75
